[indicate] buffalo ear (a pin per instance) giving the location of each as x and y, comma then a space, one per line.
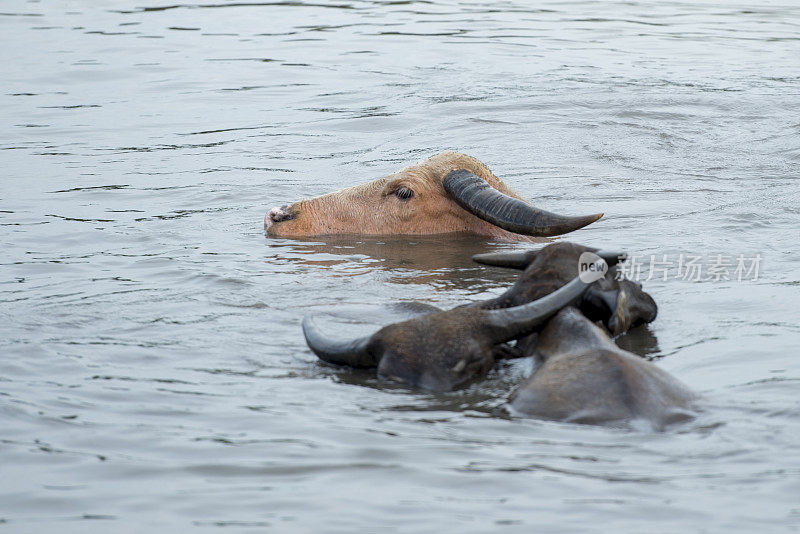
510, 260
637, 306
619, 309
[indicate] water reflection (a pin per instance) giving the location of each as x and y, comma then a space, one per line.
441, 262
640, 340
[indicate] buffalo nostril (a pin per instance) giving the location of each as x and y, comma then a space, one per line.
276, 215
272, 216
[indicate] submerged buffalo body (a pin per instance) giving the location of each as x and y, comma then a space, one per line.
583, 377
449, 192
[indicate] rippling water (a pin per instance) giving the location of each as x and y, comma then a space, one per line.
154, 375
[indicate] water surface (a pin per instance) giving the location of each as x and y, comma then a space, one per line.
154, 375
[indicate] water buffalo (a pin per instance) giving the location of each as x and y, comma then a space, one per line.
620, 304
583, 377
444, 349
449, 192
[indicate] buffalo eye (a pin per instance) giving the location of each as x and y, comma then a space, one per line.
403, 193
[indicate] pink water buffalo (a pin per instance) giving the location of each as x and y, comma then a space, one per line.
449, 192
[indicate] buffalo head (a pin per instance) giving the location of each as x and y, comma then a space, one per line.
441, 350
618, 302
449, 192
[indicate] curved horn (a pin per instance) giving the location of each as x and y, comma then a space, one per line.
511, 260
353, 353
475, 195
511, 323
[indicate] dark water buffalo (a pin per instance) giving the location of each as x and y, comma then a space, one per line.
619, 303
449, 192
583, 377
444, 349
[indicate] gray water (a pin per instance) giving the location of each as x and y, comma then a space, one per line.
154, 377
